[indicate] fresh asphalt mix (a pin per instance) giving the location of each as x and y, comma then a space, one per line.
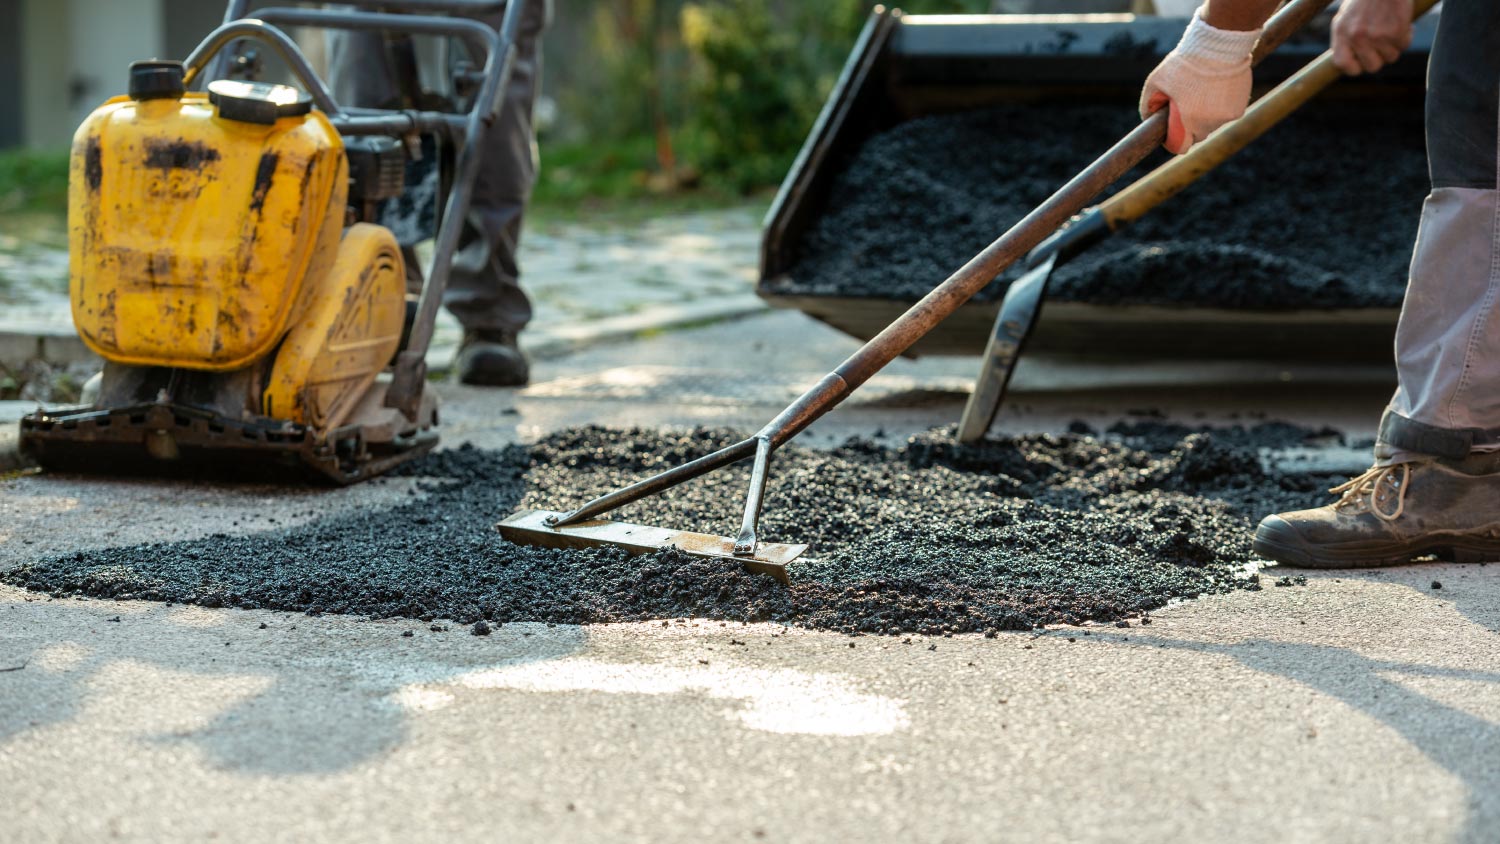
930, 537
1273, 228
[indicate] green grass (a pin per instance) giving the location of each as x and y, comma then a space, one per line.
614, 180
33, 197
34, 182
580, 172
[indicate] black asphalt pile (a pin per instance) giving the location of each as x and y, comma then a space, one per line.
1319, 213
932, 537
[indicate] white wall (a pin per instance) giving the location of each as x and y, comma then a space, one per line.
47, 116
106, 36
11, 74
75, 55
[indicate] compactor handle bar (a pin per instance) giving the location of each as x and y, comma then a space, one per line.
238, 8
480, 39
466, 130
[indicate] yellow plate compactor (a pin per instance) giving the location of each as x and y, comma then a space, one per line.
226, 264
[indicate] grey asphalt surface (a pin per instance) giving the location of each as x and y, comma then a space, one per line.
1363, 706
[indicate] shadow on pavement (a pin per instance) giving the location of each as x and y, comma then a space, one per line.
317, 708
1465, 745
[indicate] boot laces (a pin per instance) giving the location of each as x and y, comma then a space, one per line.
1372, 490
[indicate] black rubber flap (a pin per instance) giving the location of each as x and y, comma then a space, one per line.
156, 80
257, 102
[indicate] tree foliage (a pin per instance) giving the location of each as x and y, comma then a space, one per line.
727, 89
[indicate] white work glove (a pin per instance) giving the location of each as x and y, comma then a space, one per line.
1205, 82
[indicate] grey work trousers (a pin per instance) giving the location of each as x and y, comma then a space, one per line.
484, 291
1448, 340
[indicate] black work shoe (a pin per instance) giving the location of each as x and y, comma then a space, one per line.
1394, 514
491, 359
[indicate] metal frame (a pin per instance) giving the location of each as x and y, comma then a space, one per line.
132, 437
499, 51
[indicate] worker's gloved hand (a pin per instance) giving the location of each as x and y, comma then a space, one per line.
1370, 34
1205, 82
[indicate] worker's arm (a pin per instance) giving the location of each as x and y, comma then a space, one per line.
1239, 15
1205, 81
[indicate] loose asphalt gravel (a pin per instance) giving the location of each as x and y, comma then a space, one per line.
1319, 213
931, 537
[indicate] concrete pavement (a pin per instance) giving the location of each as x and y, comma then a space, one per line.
1364, 706
1357, 708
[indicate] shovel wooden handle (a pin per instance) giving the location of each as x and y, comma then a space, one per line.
1171, 178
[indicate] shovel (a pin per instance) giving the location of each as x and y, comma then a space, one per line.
1022, 306
583, 527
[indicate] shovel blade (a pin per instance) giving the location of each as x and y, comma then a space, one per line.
529, 527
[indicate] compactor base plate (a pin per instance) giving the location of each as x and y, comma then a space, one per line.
165, 439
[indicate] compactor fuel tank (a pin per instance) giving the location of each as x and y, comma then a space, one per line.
196, 220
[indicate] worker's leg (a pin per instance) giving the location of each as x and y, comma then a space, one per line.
484, 292
1436, 485
358, 73
1448, 343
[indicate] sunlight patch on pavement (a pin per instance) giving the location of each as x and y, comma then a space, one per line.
38, 505
422, 698
60, 657
200, 618
777, 701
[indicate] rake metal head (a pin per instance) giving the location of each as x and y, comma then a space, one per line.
534, 527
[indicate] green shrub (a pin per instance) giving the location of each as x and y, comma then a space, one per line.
34, 181
760, 74
717, 92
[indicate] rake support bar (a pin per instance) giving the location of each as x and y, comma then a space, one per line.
656, 484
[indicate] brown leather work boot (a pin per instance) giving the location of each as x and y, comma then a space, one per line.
1394, 514
492, 359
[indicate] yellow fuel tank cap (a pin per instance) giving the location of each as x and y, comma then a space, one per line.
257, 102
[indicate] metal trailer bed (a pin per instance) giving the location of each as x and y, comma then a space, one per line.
908, 66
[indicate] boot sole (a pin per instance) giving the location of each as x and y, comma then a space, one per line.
1280, 544
481, 381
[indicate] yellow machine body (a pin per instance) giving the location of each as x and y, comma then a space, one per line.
226, 265
197, 242
344, 335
